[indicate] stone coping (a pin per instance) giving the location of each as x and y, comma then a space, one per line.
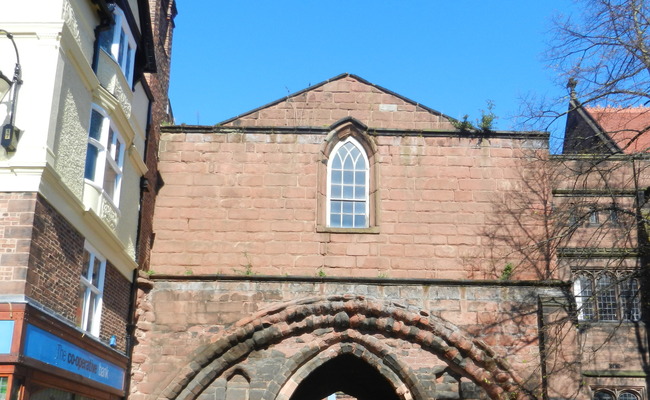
371, 281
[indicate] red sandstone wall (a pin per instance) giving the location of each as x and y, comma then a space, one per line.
248, 205
347, 96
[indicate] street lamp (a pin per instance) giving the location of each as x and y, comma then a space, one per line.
9, 138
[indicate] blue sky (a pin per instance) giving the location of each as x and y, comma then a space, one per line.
232, 56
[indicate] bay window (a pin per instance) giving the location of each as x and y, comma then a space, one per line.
105, 155
118, 41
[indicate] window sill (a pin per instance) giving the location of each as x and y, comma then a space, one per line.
326, 229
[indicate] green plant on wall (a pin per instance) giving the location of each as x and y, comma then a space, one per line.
484, 124
506, 274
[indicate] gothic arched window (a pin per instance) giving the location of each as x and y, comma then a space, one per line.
348, 186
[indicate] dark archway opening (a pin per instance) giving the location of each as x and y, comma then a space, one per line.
347, 374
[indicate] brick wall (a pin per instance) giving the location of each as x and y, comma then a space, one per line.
250, 203
41, 258
56, 256
115, 311
162, 17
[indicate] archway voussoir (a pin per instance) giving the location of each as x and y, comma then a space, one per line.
349, 325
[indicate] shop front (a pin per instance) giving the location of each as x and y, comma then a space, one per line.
43, 358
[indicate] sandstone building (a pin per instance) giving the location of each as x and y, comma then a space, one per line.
603, 191
346, 238
70, 189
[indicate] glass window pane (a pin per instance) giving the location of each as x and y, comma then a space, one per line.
361, 163
336, 191
106, 39
81, 301
630, 299
347, 221
96, 121
360, 208
359, 192
110, 180
336, 162
600, 395
86, 264
584, 297
360, 177
348, 177
628, 396
122, 49
348, 164
90, 309
96, 270
127, 65
91, 162
336, 177
347, 207
606, 298
336, 207
335, 220
359, 221
4, 382
348, 192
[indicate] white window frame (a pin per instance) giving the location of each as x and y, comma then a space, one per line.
122, 44
91, 312
365, 200
110, 149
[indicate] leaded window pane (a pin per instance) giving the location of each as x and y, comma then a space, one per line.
606, 298
630, 298
601, 395
584, 297
628, 396
4, 382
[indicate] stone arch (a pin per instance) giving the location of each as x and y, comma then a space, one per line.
368, 349
347, 313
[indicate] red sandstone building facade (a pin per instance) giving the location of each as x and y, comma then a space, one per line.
347, 239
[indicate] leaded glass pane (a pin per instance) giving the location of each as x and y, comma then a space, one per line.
630, 298
628, 396
4, 382
600, 395
606, 298
584, 297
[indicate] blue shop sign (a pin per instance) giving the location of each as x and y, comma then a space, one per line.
6, 335
50, 349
